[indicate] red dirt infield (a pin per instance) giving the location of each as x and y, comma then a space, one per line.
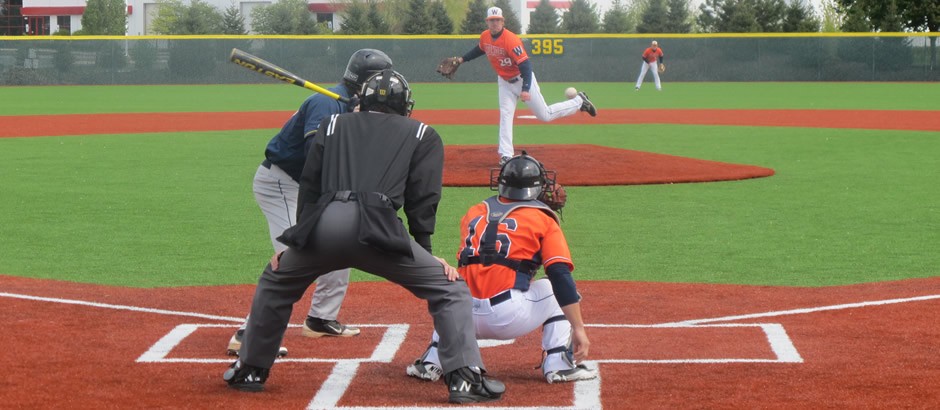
84, 124
70, 345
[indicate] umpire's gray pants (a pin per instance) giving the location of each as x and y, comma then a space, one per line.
335, 245
276, 194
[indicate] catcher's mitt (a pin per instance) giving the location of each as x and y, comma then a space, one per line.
555, 199
662, 68
448, 67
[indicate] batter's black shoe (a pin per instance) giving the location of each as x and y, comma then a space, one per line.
245, 378
587, 106
235, 344
316, 327
469, 386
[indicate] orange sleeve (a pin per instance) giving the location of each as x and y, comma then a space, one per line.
555, 246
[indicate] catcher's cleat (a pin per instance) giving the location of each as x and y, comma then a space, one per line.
315, 327
245, 378
469, 386
579, 372
587, 106
424, 371
235, 344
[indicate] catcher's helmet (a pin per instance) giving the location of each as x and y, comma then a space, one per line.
523, 178
386, 91
362, 64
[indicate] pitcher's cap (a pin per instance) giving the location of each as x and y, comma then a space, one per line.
494, 13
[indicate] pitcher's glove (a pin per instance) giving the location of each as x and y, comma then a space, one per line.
555, 199
662, 68
448, 67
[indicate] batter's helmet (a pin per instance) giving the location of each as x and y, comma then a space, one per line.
386, 91
522, 178
362, 64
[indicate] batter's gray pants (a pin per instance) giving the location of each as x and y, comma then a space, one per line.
276, 194
335, 245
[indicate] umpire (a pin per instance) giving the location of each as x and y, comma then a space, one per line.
362, 168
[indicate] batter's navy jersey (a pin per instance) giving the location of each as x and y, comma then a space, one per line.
288, 149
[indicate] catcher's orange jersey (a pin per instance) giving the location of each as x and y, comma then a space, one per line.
650, 55
526, 234
505, 53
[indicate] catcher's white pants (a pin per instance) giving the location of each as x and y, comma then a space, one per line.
522, 314
651, 67
276, 194
508, 98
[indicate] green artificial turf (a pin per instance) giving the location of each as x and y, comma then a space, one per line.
845, 206
276, 96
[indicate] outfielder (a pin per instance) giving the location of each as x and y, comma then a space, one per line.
651, 55
361, 169
276, 185
516, 80
506, 238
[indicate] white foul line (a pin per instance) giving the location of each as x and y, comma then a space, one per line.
804, 310
123, 307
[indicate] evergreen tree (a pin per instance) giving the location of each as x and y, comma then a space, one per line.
438, 15
232, 21
741, 18
377, 24
355, 19
176, 18
581, 18
616, 19
709, 16
417, 21
511, 19
677, 18
800, 19
653, 18
475, 20
104, 18
543, 20
769, 14
284, 17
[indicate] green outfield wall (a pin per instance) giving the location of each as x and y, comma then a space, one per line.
576, 58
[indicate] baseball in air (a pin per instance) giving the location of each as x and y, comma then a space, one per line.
571, 92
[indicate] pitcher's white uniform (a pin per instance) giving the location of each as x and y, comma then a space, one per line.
515, 80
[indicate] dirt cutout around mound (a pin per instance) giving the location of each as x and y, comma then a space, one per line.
593, 165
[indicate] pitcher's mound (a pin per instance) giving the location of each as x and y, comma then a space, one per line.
585, 164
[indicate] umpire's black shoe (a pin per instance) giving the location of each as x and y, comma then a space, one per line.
587, 106
245, 378
469, 386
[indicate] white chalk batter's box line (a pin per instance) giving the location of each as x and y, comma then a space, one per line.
384, 351
394, 336
587, 393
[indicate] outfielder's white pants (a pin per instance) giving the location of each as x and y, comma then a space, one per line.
651, 67
508, 98
522, 314
276, 194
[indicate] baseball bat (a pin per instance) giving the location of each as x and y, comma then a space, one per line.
262, 66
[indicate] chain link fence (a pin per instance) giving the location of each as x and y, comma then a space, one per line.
581, 58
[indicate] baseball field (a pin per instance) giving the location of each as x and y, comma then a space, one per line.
131, 242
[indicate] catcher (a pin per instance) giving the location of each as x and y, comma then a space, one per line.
507, 302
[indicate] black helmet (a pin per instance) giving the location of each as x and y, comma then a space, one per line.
387, 91
362, 64
522, 178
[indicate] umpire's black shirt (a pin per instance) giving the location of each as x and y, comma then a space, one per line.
365, 152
